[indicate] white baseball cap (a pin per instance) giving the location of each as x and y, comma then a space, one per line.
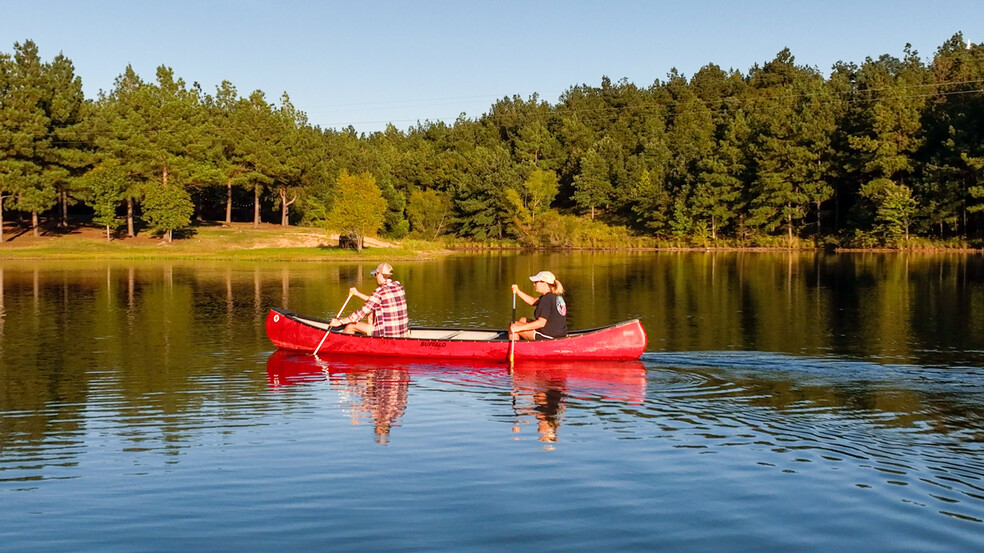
384, 268
545, 276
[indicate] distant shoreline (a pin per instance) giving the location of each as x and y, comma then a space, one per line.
269, 242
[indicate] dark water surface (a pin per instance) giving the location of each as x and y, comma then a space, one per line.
787, 402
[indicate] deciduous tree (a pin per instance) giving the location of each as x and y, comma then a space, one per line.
359, 208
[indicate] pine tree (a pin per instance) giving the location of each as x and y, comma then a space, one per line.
40, 106
158, 133
954, 148
592, 186
892, 131
720, 181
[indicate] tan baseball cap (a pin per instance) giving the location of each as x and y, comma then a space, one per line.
385, 268
545, 276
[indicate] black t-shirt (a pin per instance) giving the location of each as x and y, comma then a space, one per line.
553, 308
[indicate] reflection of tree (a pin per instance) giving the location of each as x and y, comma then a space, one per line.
379, 395
2, 311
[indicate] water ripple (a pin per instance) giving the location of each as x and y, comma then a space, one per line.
905, 427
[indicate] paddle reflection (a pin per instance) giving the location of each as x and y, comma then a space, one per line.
541, 391
376, 390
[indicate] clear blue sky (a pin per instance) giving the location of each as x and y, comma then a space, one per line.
365, 63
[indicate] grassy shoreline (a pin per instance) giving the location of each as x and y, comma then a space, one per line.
268, 242
214, 242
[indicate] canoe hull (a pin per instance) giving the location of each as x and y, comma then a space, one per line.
621, 341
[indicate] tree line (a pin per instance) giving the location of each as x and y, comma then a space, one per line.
886, 152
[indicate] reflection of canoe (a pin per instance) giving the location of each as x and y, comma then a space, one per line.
616, 380
620, 341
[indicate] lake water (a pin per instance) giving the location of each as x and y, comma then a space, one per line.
787, 402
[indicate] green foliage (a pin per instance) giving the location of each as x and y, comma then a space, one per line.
359, 208
167, 208
681, 223
719, 183
104, 188
896, 209
554, 230
40, 108
592, 186
539, 189
429, 212
876, 151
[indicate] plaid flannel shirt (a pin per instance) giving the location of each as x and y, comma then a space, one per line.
389, 303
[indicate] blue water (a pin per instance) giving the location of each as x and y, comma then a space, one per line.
703, 460
157, 418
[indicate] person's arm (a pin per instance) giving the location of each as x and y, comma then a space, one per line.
372, 304
355, 292
530, 300
532, 325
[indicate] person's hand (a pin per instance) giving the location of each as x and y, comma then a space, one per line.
353, 291
334, 322
515, 288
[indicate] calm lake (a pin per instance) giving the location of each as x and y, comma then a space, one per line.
787, 402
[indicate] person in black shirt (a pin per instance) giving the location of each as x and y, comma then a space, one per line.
549, 317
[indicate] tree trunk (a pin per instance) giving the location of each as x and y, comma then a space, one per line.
2, 198
789, 229
34, 223
167, 236
359, 242
129, 218
285, 208
819, 228
63, 200
228, 219
256, 207
108, 239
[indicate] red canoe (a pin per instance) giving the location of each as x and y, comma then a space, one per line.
620, 341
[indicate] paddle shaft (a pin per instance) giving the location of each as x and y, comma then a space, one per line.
317, 349
512, 339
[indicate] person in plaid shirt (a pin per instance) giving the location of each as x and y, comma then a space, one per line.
386, 308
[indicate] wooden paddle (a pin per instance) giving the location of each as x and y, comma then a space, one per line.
512, 335
329, 328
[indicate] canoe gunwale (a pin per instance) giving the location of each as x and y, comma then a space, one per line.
502, 334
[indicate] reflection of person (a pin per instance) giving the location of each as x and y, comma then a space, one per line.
549, 318
383, 398
548, 408
548, 404
386, 308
